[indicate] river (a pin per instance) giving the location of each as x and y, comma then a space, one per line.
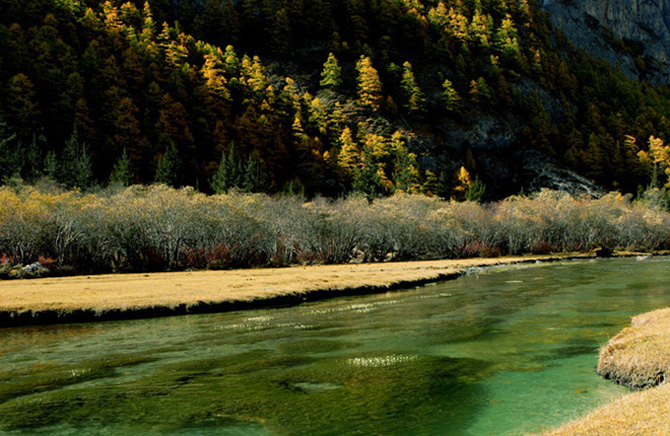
499, 352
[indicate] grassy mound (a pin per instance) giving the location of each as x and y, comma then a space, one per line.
638, 357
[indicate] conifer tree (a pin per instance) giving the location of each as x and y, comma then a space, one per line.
22, 110
366, 179
369, 85
231, 61
463, 182
331, 76
76, 170
349, 156
414, 100
475, 191
168, 164
450, 96
254, 176
220, 182
51, 165
430, 185
123, 170
480, 91
8, 155
229, 175
29, 156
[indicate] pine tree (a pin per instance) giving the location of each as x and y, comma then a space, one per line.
29, 155
220, 182
331, 76
229, 175
51, 165
8, 155
22, 111
76, 170
231, 61
349, 156
450, 96
366, 180
369, 85
480, 91
168, 164
475, 191
254, 176
123, 170
414, 100
464, 181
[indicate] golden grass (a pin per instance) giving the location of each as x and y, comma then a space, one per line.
127, 292
643, 413
639, 357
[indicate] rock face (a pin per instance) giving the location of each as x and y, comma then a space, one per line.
595, 25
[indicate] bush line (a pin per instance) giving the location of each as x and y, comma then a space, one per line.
156, 228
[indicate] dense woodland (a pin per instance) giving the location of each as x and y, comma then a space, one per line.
309, 96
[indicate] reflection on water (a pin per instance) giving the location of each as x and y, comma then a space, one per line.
504, 352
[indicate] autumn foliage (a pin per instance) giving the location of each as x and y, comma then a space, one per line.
315, 94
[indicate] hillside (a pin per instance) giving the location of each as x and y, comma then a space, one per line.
317, 96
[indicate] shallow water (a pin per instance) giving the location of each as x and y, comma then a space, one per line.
503, 352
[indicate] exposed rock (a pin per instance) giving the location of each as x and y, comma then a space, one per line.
543, 172
589, 24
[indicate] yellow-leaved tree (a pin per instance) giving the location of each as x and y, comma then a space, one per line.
369, 85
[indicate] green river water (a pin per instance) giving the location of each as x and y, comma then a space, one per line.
501, 352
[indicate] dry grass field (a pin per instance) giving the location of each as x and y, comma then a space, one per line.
639, 357
121, 293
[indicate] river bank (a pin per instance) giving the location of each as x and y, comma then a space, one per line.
638, 357
133, 296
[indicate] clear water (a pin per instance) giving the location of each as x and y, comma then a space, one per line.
503, 352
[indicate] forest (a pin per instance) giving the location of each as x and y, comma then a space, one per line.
313, 97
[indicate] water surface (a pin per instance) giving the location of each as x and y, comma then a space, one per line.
502, 352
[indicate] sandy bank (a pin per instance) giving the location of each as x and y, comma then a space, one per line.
638, 357
129, 296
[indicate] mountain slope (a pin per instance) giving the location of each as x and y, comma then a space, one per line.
419, 89
631, 34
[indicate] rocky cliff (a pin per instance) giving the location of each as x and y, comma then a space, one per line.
632, 34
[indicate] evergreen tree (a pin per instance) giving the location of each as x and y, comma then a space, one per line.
234, 169
369, 85
229, 175
51, 165
475, 191
331, 76
168, 165
413, 99
254, 176
443, 185
29, 156
22, 109
220, 182
123, 173
480, 91
450, 96
366, 180
75, 170
8, 156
